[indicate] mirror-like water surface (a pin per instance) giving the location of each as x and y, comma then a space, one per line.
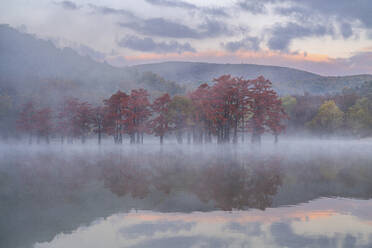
320, 223
296, 194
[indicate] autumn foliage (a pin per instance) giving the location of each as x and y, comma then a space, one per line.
222, 111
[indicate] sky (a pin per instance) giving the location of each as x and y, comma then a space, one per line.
331, 37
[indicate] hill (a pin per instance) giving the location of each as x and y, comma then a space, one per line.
285, 80
34, 67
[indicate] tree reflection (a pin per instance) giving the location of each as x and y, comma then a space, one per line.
229, 185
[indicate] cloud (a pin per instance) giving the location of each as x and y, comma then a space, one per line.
346, 30
88, 51
166, 28
284, 236
282, 35
161, 27
68, 5
149, 229
168, 3
104, 10
253, 6
188, 6
247, 43
185, 241
149, 45
342, 9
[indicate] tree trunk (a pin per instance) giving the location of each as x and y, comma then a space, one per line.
161, 139
256, 138
276, 138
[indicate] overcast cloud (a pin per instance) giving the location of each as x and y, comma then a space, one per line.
338, 31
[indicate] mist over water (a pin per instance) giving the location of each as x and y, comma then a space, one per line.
55, 188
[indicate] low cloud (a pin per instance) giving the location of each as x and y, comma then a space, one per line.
149, 45
166, 28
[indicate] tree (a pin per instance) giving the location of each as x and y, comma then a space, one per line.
83, 120
201, 113
75, 119
137, 113
98, 114
305, 110
267, 110
328, 119
359, 117
115, 113
180, 111
43, 123
289, 103
66, 118
8, 115
160, 124
27, 119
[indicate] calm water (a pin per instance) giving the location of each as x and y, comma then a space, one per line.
298, 194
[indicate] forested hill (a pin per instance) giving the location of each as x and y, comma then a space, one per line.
285, 80
35, 67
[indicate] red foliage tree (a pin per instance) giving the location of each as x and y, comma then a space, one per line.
205, 115
160, 124
115, 113
266, 109
137, 113
38, 122
75, 119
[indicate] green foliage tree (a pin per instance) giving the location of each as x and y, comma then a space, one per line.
288, 103
359, 117
180, 114
328, 119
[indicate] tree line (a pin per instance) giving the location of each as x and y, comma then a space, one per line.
348, 113
223, 111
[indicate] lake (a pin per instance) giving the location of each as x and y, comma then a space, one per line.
299, 193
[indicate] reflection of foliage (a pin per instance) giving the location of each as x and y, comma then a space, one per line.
65, 190
233, 186
126, 178
228, 185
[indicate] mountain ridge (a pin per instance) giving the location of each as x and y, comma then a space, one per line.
286, 80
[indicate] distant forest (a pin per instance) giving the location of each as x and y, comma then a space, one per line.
223, 112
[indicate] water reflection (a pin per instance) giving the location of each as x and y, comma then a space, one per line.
227, 185
49, 198
308, 225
